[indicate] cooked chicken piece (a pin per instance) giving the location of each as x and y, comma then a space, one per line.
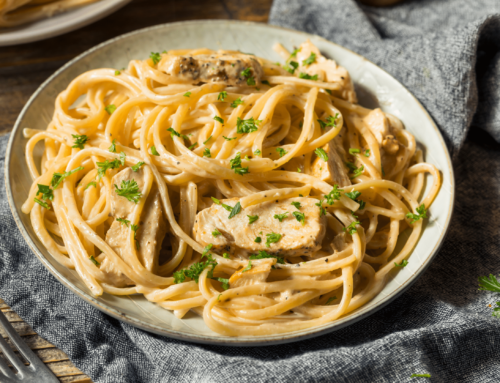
257, 274
152, 226
332, 171
220, 67
114, 276
378, 124
238, 235
390, 144
327, 70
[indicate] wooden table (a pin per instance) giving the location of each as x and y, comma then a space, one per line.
24, 67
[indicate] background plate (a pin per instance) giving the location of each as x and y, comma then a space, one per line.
375, 87
61, 23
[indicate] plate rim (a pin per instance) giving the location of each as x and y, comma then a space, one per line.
220, 339
9, 39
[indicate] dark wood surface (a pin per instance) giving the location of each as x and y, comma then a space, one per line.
24, 67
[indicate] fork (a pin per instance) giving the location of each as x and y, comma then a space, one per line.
35, 372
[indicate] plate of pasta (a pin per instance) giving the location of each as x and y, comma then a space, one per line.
229, 182
25, 21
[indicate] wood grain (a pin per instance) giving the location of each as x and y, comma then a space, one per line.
24, 68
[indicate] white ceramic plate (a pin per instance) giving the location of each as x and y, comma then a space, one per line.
375, 87
61, 23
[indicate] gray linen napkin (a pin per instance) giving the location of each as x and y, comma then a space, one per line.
442, 325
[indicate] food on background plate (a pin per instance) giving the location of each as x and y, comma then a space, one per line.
258, 195
17, 12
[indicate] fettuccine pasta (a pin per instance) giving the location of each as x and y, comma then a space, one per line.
258, 195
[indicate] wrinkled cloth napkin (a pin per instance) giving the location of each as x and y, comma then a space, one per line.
447, 53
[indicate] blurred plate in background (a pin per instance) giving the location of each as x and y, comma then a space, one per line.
59, 24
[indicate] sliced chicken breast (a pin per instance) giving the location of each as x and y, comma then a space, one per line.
334, 170
151, 231
379, 126
256, 274
326, 69
231, 69
238, 236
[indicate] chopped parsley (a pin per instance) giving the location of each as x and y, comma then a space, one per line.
226, 255
103, 166
137, 166
206, 153
306, 76
219, 119
122, 158
281, 151
353, 151
130, 190
215, 200
328, 91
110, 108
236, 165
206, 250
367, 153
258, 240
187, 94
94, 261
330, 121
208, 139
330, 300
358, 171
57, 178
236, 102
252, 218
174, 133
351, 229
134, 228
264, 254
79, 141
194, 271
92, 183
222, 96
156, 57
257, 152
154, 152
246, 126
112, 148
296, 204
216, 233
320, 152
124, 221
310, 60
229, 138
46, 191
489, 284
333, 195
292, 66
117, 72
265, 82
301, 217
225, 284
298, 170
247, 74
421, 213
354, 196
281, 217
272, 238
322, 210
192, 146
403, 263
236, 209
249, 266
42, 204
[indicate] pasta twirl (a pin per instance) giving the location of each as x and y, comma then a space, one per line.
259, 196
